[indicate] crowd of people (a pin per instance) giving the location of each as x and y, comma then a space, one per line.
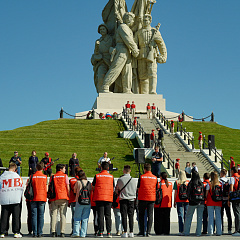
152, 200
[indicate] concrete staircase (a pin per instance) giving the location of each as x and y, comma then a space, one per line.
176, 149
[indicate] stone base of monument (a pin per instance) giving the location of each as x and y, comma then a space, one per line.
114, 102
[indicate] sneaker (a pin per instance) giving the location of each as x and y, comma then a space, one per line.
34, 236
2, 236
100, 234
131, 235
54, 234
181, 234
124, 235
118, 233
17, 235
109, 235
62, 235
148, 235
236, 234
230, 232
74, 236
140, 235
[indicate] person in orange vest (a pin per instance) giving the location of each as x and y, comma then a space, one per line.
72, 197
103, 187
213, 206
232, 163
162, 211
153, 110
133, 109
183, 203
234, 186
60, 202
46, 160
39, 183
135, 123
206, 181
152, 138
127, 107
148, 110
177, 167
172, 127
200, 140
147, 185
195, 192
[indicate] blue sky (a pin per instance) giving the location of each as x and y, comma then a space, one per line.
46, 46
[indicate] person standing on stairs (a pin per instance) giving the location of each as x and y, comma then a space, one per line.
148, 110
152, 138
153, 110
172, 127
200, 140
160, 137
177, 167
133, 109
157, 159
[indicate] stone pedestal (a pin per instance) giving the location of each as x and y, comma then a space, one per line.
114, 102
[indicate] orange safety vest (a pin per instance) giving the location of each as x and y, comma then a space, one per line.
205, 185
39, 182
166, 194
235, 187
60, 186
72, 197
177, 197
103, 190
147, 189
148, 107
133, 106
210, 202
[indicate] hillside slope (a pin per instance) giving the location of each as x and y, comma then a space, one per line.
88, 138
227, 139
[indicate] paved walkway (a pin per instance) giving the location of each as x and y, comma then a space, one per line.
174, 231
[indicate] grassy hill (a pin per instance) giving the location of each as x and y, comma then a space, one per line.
88, 138
227, 139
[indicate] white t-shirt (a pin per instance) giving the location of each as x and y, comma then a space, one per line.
102, 159
196, 169
11, 188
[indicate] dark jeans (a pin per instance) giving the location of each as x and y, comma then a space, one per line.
156, 169
236, 211
182, 208
73, 206
38, 209
162, 221
48, 172
104, 209
94, 208
205, 219
7, 210
228, 212
29, 216
149, 205
127, 209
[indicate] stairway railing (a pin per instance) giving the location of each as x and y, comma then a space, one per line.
185, 134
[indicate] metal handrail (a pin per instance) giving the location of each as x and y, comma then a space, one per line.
170, 162
185, 134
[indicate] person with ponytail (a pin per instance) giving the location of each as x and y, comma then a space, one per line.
196, 201
162, 211
181, 204
213, 206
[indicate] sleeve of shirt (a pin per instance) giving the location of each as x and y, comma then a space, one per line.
208, 187
67, 180
94, 181
175, 186
232, 180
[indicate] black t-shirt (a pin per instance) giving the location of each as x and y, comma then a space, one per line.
46, 160
157, 155
73, 163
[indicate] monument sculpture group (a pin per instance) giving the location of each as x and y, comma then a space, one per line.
126, 55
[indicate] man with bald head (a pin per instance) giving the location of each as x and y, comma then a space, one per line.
104, 158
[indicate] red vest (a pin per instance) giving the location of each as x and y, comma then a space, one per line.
166, 195
148, 107
127, 105
210, 202
72, 197
232, 164
147, 189
103, 190
235, 187
60, 186
177, 165
205, 184
152, 136
153, 107
39, 183
172, 124
200, 137
134, 122
177, 197
133, 106
93, 204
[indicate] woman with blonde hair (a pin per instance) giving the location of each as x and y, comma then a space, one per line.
214, 204
179, 201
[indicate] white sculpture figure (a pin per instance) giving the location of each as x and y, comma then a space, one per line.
121, 64
150, 43
112, 14
101, 57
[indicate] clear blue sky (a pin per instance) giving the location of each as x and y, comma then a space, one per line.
46, 46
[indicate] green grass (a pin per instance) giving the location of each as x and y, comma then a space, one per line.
88, 138
226, 138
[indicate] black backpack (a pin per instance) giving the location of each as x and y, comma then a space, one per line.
51, 194
159, 195
217, 194
197, 193
28, 193
226, 188
183, 192
235, 195
84, 194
